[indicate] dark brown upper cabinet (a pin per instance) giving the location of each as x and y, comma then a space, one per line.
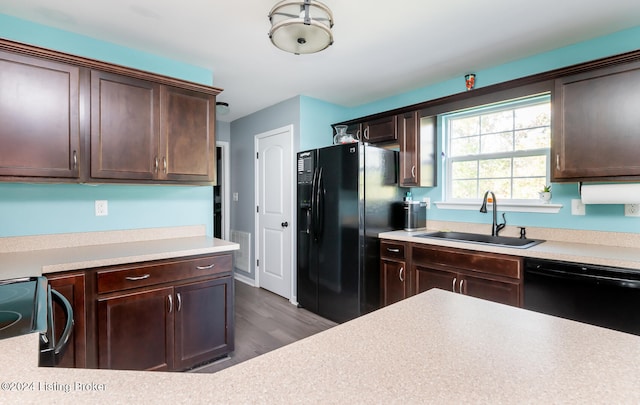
596, 125
416, 137
187, 141
125, 124
380, 130
69, 118
40, 117
141, 130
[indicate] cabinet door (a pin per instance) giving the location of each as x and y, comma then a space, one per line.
380, 130
124, 127
204, 321
491, 290
39, 117
395, 285
596, 124
135, 331
427, 278
72, 287
408, 136
187, 147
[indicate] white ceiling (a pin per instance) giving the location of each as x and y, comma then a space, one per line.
381, 48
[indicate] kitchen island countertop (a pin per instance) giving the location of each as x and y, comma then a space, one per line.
435, 347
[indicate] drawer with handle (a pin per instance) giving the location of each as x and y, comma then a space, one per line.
145, 274
391, 250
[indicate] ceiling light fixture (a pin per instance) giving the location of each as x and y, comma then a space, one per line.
222, 108
301, 26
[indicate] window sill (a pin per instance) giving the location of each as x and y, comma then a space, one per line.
507, 207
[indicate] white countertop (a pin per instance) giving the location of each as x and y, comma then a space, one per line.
80, 251
435, 347
588, 253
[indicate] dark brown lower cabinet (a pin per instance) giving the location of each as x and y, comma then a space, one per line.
500, 291
411, 268
135, 330
72, 287
394, 282
203, 324
167, 315
169, 328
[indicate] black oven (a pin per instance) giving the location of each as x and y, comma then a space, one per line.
26, 306
599, 295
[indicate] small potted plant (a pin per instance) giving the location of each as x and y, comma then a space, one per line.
545, 194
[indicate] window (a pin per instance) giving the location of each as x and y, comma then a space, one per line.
501, 147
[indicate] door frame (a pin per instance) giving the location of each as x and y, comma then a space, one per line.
224, 189
292, 164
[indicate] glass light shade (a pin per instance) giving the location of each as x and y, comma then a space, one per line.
301, 26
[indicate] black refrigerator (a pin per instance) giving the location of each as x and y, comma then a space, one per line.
346, 195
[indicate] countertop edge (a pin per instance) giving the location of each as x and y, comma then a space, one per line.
552, 250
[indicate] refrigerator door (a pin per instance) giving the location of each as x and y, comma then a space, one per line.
338, 247
381, 211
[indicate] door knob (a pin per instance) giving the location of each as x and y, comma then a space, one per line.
284, 224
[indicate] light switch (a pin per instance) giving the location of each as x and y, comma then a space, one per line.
235, 196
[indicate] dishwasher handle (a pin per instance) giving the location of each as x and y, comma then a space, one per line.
583, 275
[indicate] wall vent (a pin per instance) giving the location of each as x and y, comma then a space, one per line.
242, 257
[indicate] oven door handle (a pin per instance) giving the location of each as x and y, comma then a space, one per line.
61, 344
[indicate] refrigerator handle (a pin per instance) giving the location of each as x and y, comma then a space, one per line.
314, 205
320, 200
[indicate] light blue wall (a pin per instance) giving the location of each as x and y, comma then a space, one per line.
599, 217
31, 209
316, 117
39, 35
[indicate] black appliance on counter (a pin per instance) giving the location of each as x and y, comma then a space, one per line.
598, 295
347, 194
26, 306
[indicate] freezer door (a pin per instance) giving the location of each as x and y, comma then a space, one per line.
307, 262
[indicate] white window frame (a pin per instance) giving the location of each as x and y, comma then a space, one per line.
518, 205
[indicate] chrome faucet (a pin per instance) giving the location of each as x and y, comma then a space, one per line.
495, 227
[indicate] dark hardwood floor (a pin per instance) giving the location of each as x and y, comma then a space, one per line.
264, 322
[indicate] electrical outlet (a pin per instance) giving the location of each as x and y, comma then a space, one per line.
102, 208
577, 207
427, 202
632, 210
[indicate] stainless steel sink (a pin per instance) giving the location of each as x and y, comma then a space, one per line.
504, 241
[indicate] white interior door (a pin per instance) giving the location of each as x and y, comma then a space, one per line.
274, 224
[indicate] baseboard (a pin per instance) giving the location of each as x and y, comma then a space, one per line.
246, 280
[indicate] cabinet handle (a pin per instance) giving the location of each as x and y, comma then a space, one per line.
359, 135
155, 166
453, 285
366, 133
179, 306
206, 267
557, 161
75, 160
170, 302
145, 276
460, 289
413, 171
400, 274
164, 164
393, 250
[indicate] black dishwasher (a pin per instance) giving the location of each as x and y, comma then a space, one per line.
599, 295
